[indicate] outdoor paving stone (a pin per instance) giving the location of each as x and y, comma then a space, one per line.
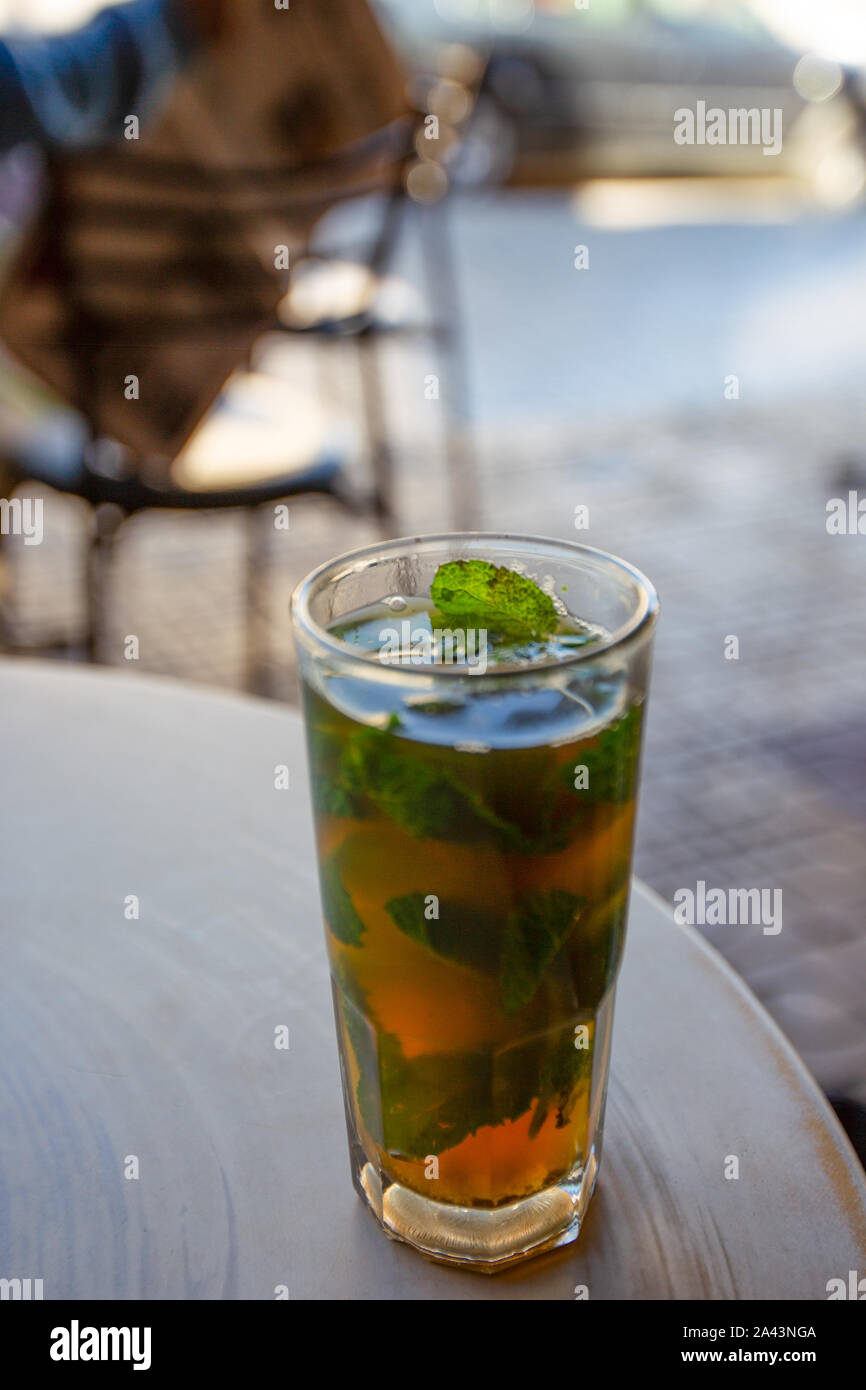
820, 1023
816, 974
847, 966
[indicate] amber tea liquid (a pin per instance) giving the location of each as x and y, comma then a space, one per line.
475, 858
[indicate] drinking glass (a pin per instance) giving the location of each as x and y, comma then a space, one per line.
474, 826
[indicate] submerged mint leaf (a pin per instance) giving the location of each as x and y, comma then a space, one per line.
476, 593
433, 1101
422, 1105
613, 763
462, 933
365, 1045
345, 980
340, 912
566, 1070
421, 799
331, 796
375, 768
534, 932
597, 947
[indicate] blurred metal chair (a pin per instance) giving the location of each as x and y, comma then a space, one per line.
340, 295
142, 253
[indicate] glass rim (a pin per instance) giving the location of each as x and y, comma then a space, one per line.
318, 639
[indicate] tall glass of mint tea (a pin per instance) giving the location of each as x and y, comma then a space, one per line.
474, 708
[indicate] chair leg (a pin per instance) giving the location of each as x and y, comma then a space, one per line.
381, 458
6, 641
107, 521
256, 567
442, 292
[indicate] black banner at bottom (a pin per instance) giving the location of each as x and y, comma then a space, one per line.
159, 1339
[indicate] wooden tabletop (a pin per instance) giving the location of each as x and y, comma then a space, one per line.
154, 1143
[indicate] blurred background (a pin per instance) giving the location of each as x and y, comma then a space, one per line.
563, 309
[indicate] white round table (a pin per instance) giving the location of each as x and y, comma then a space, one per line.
154, 1143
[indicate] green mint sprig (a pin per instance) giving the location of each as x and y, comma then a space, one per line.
477, 594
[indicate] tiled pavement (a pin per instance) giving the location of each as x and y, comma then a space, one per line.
755, 769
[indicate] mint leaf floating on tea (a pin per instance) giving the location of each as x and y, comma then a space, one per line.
340, 912
535, 930
477, 594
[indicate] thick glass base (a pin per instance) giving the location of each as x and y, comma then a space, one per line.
473, 1238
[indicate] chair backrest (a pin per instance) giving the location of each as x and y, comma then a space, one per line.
154, 263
